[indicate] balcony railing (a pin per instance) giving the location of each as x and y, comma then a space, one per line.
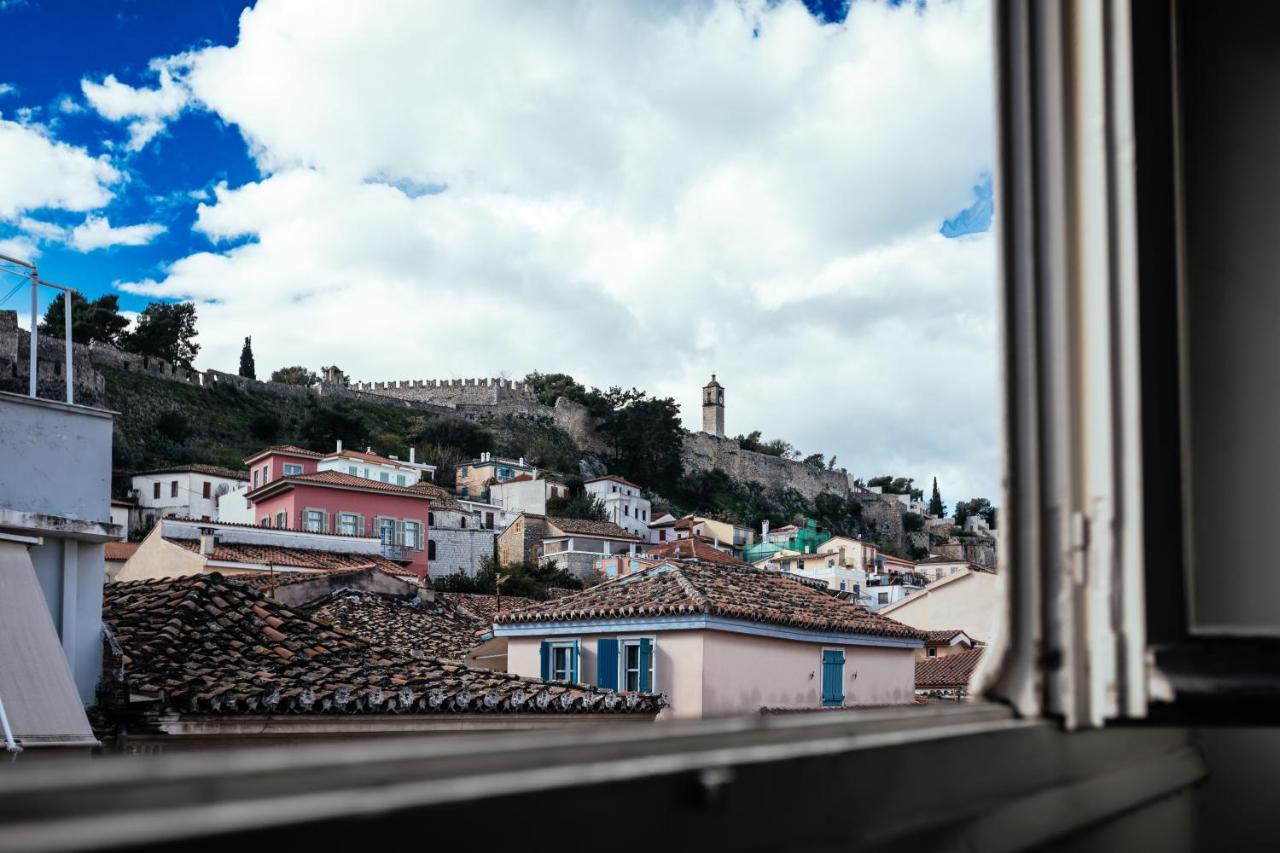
397, 553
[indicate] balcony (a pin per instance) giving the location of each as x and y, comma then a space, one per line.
397, 553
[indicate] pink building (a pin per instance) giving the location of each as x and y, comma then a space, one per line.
291, 488
717, 640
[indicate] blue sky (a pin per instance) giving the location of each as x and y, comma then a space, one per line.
667, 173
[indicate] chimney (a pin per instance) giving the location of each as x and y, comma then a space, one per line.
208, 541
412, 453
521, 460
339, 450
764, 525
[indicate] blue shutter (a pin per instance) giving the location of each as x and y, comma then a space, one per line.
544, 651
573, 663
646, 664
832, 678
607, 663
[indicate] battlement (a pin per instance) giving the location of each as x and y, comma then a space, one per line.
487, 391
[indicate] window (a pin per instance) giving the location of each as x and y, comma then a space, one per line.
173, 489
353, 471
431, 519
155, 489
265, 522
313, 520
559, 661
662, 536
464, 522
626, 510
488, 520
282, 520
883, 598
207, 491
348, 523
637, 666
832, 678
413, 534
387, 530
384, 476
933, 653
400, 480
843, 586
290, 469
431, 549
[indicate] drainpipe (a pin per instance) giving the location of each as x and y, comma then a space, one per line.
10, 742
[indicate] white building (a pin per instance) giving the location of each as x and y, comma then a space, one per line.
371, 466
526, 493
662, 528
624, 504
233, 508
490, 516
183, 491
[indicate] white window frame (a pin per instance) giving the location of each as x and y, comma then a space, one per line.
292, 469
378, 524
357, 523
321, 520
567, 648
281, 514
633, 641
405, 524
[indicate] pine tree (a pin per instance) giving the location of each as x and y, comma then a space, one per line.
246, 360
937, 509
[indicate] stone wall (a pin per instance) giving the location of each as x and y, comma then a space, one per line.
452, 392
980, 551
460, 550
705, 452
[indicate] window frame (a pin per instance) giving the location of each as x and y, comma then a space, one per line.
633, 641
567, 648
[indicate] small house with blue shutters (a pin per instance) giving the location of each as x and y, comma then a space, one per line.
716, 640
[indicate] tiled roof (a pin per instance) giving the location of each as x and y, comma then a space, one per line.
484, 607
263, 581
302, 558
415, 628
935, 638
337, 478
211, 470
123, 502
202, 644
948, 670
737, 592
368, 457
614, 477
693, 548
939, 559
121, 550
290, 449
590, 527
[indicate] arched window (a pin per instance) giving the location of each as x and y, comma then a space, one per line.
431, 519
464, 521
431, 549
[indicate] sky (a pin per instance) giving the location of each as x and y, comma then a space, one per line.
794, 197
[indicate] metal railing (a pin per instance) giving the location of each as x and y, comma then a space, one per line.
69, 373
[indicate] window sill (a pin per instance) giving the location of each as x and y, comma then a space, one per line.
1011, 784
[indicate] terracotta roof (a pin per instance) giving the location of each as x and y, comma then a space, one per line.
122, 502
303, 558
738, 592
211, 470
523, 478
613, 477
937, 638
287, 449
263, 581
121, 550
939, 559
589, 527
411, 627
337, 478
202, 644
947, 670
693, 548
484, 607
368, 457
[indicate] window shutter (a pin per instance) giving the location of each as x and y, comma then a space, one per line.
544, 651
607, 663
573, 663
646, 664
832, 677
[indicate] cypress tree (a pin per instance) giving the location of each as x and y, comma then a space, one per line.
246, 360
937, 508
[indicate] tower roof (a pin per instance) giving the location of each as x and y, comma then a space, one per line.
713, 383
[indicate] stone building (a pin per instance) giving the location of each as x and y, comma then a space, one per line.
459, 540
713, 407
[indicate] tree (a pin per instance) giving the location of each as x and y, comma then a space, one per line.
99, 320
548, 387
645, 439
295, 375
816, 460
937, 508
581, 504
246, 360
165, 330
891, 485
974, 506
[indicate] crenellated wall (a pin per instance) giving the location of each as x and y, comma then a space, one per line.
453, 392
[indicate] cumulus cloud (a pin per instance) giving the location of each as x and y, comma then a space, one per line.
96, 232
52, 174
638, 195
146, 110
8, 89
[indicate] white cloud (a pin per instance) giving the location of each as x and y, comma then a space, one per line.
96, 232
41, 230
68, 106
20, 247
147, 110
8, 89
637, 195
51, 174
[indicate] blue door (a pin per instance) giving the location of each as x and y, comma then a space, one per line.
832, 678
